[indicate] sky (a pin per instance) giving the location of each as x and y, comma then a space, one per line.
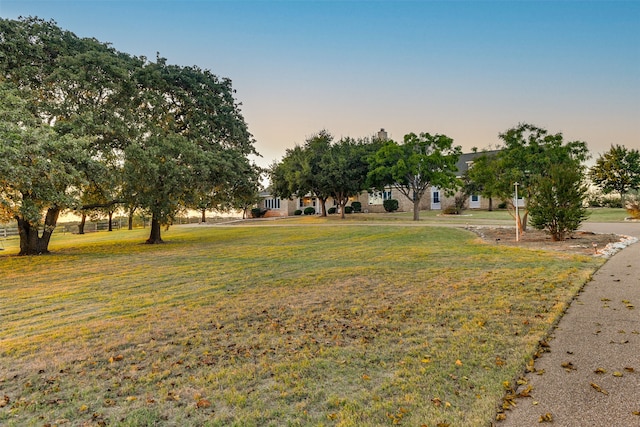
466, 69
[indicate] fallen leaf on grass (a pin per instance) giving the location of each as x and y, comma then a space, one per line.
568, 366
617, 374
629, 369
458, 362
4, 401
599, 389
116, 358
501, 417
203, 403
600, 371
636, 412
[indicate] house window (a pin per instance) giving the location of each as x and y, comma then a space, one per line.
436, 197
272, 203
377, 197
475, 197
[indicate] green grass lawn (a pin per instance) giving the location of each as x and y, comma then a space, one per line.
291, 325
475, 217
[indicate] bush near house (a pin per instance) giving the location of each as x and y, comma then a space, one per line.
309, 210
332, 210
633, 204
390, 205
357, 206
348, 209
297, 212
258, 212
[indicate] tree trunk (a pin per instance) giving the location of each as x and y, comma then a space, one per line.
204, 216
416, 210
83, 221
490, 204
110, 221
154, 236
31, 243
323, 206
131, 212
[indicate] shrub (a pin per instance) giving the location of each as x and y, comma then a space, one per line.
451, 210
357, 206
633, 205
502, 205
309, 210
348, 209
390, 205
332, 210
297, 212
258, 212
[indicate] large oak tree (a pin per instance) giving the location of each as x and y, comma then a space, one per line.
123, 115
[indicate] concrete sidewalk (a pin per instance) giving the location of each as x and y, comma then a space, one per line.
591, 374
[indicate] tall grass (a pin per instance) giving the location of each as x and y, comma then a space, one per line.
254, 326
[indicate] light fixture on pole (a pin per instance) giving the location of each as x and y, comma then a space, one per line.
517, 215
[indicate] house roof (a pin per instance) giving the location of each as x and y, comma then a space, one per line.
466, 159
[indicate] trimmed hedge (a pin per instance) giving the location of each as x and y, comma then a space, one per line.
258, 212
297, 212
332, 210
348, 209
390, 205
309, 210
357, 206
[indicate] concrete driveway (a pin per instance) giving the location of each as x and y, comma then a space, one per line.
591, 374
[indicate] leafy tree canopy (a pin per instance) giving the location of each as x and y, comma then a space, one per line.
412, 167
528, 153
617, 170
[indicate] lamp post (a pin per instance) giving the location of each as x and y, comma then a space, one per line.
517, 215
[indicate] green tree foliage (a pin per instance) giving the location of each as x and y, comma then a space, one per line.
300, 172
40, 171
412, 167
344, 170
481, 178
617, 170
557, 200
132, 115
528, 154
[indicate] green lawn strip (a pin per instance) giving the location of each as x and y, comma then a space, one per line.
327, 325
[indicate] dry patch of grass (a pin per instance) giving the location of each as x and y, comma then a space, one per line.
331, 325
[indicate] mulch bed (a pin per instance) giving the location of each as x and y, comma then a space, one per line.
581, 242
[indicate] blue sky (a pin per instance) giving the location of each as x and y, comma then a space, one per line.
468, 69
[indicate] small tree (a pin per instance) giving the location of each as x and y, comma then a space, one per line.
344, 169
556, 203
528, 154
617, 170
412, 167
